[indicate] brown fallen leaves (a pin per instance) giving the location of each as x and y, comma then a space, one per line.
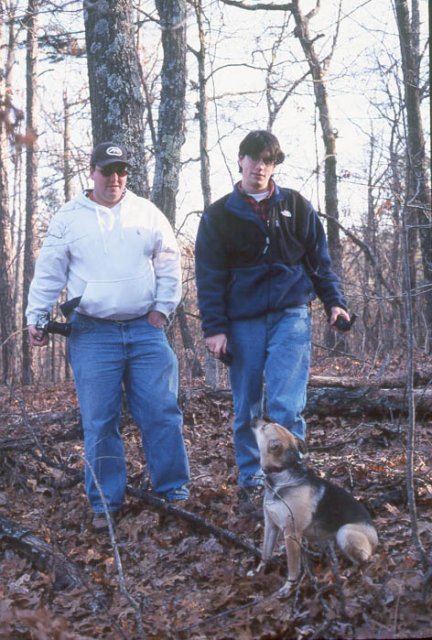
188, 584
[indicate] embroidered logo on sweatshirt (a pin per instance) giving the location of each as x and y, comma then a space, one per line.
286, 213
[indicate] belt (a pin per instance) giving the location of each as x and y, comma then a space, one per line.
84, 315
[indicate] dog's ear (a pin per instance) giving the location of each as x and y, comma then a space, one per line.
275, 446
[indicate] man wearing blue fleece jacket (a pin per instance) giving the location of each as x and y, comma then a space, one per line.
261, 258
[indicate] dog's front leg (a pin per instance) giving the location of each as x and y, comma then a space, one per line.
293, 553
271, 532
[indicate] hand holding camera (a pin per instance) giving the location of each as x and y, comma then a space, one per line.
39, 332
46, 325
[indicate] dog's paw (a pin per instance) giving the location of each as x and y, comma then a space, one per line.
259, 569
287, 589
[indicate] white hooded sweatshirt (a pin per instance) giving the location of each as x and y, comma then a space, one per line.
124, 261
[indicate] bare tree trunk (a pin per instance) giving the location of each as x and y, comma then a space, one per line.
117, 104
31, 179
418, 196
203, 106
188, 343
67, 169
171, 121
211, 364
6, 297
411, 404
318, 70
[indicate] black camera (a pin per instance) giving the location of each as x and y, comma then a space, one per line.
345, 325
226, 358
46, 325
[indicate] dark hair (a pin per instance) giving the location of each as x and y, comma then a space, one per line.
258, 141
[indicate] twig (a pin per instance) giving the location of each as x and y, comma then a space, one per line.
194, 519
334, 564
122, 582
411, 433
225, 614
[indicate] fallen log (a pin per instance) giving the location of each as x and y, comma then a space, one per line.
195, 520
367, 400
387, 382
42, 554
354, 401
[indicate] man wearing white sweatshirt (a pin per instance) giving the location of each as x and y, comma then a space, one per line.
117, 253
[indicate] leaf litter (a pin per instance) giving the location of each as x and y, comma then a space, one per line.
180, 582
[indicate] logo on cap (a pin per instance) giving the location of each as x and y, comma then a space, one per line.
114, 151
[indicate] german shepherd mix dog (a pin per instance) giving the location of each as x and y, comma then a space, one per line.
299, 503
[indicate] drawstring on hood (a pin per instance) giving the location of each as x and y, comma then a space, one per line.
107, 219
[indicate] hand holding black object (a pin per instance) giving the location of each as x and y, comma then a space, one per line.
226, 358
345, 325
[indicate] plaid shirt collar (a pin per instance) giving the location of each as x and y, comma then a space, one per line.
260, 208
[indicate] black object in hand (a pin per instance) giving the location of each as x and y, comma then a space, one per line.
46, 325
345, 325
226, 358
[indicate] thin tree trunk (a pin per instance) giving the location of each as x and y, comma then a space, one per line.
203, 106
67, 182
318, 70
411, 404
171, 121
6, 296
418, 197
211, 366
67, 169
188, 343
31, 179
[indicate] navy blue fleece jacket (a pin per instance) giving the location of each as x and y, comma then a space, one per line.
246, 267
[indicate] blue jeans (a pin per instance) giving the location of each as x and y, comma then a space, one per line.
272, 351
105, 355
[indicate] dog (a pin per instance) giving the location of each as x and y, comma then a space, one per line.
300, 504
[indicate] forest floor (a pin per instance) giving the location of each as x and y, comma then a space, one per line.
163, 577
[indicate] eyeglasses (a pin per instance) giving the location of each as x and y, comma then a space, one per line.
267, 160
120, 170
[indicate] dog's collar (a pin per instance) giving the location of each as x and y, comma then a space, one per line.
273, 479
269, 470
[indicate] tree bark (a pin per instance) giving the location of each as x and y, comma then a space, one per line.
211, 364
318, 70
418, 195
117, 105
188, 343
203, 106
31, 23
6, 295
171, 121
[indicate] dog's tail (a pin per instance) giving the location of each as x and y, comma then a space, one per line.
357, 541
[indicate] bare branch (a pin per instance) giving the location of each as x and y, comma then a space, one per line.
260, 6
